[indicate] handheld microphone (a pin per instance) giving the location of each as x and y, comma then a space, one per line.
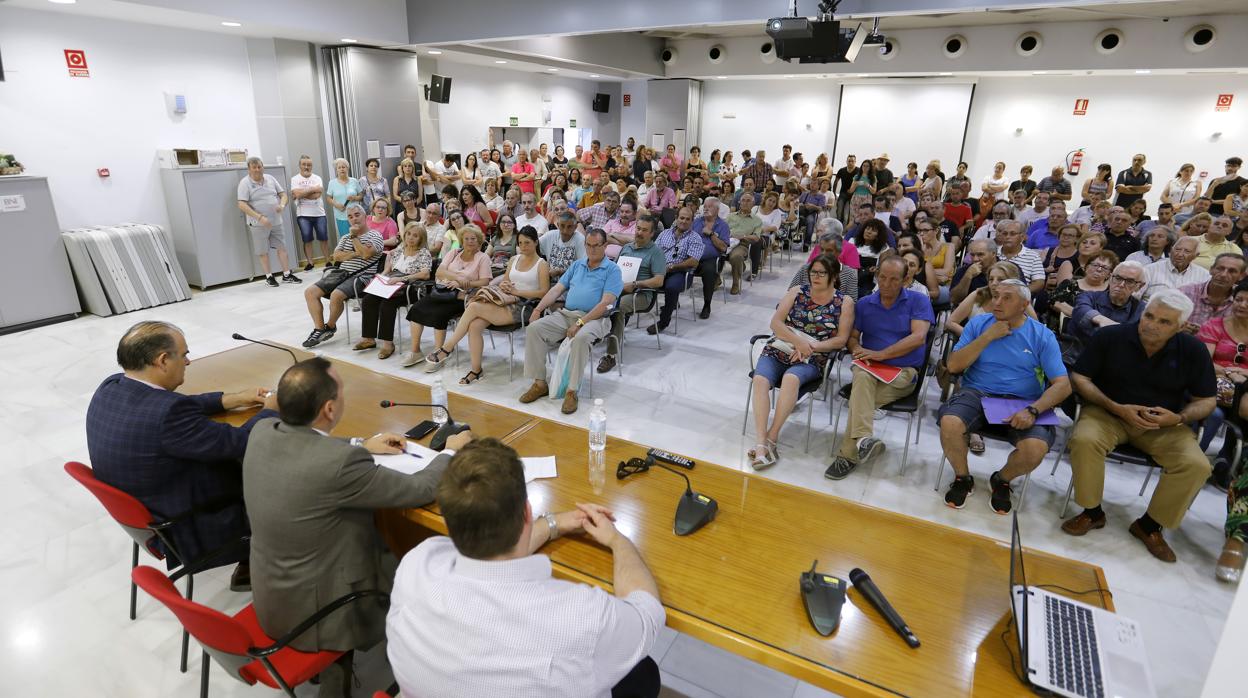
866, 587
241, 338
444, 432
694, 510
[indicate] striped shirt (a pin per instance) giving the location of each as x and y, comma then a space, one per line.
1028, 262
371, 239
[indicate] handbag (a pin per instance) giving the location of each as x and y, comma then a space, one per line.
786, 347
493, 294
443, 293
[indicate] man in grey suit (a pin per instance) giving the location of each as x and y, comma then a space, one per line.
311, 498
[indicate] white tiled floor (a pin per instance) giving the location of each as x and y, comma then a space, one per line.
64, 565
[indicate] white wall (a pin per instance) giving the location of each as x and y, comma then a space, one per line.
912, 121
633, 117
482, 97
1171, 119
65, 128
767, 114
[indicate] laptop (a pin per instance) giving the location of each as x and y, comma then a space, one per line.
1071, 648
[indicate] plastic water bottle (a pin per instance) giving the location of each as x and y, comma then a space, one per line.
597, 470
438, 397
598, 427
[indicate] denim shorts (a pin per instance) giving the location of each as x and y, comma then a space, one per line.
771, 369
309, 225
966, 405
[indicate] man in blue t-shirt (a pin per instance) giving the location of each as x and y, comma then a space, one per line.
593, 284
1002, 354
890, 332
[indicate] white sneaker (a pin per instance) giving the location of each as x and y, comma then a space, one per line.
411, 358
879, 414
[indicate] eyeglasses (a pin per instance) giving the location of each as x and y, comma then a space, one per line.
1101, 267
1239, 353
818, 272
632, 467
1123, 280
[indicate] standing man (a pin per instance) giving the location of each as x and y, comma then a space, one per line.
890, 328
594, 161
593, 284
885, 181
1176, 271
845, 187
1143, 384
716, 236
1133, 183
354, 254
785, 167
650, 270
509, 157
760, 171
1225, 186
747, 229
311, 499
515, 630
309, 193
810, 205
682, 252
1002, 354
262, 199
1056, 185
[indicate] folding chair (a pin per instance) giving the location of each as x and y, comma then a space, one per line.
805, 391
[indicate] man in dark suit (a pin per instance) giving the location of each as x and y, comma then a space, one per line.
163, 448
311, 500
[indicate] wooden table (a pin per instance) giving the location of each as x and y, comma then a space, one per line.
734, 583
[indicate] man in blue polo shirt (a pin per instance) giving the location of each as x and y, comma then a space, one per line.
593, 284
890, 329
1002, 354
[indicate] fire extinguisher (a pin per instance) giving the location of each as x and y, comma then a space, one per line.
1074, 160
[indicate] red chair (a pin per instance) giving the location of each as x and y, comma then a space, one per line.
146, 531
238, 644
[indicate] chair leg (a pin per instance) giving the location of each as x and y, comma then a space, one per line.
511, 355
134, 590
1022, 495
277, 677
810, 413
940, 472
203, 676
905, 453
749, 397
1147, 477
1066, 502
186, 637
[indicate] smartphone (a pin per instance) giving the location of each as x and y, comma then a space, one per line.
422, 430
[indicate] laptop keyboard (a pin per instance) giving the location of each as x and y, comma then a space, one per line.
1074, 660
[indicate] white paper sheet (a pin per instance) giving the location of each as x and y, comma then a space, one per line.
391, 150
415, 459
372, 149
539, 467
629, 266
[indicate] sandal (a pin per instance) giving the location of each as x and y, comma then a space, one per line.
386, 352
470, 378
436, 359
976, 444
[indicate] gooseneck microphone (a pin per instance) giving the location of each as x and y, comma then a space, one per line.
241, 338
694, 510
444, 432
866, 587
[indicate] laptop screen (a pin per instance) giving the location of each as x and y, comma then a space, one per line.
1018, 577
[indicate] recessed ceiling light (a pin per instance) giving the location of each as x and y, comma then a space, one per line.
1040, 72
593, 75
231, 24
500, 62
62, 2
1143, 72
553, 70
349, 41
721, 77
946, 74
434, 52
863, 75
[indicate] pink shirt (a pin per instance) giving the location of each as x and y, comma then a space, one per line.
849, 256
1225, 348
524, 168
388, 229
478, 268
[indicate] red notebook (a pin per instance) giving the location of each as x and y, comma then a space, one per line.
884, 372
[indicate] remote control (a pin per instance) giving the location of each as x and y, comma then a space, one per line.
670, 458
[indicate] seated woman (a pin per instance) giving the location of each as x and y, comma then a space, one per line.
527, 278
461, 271
1230, 565
1054, 257
503, 244
1090, 245
383, 224
405, 264
1226, 338
811, 322
923, 275
1095, 278
474, 208
1154, 247
871, 242
940, 255
493, 202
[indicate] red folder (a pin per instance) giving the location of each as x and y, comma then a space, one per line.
884, 372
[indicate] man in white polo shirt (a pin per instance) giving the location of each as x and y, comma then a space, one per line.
1175, 272
479, 614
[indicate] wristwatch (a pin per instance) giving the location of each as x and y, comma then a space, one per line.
356, 441
1033, 411
554, 527
580, 322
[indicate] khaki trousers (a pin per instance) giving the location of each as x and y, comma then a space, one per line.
868, 394
1184, 468
546, 334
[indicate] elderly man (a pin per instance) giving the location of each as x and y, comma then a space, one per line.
1010, 249
1213, 298
593, 284
162, 447
833, 245
972, 276
1056, 185
651, 267
682, 252
623, 228
1042, 233
1002, 354
1000, 211
315, 541
262, 200
661, 197
488, 593
1214, 242
746, 228
1119, 238
354, 258
716, 237
1133, 183
1116, 305
562, 246
890, 329
1143, 384
759, 170
1038, 209
1176, 271
597, 215
810, 204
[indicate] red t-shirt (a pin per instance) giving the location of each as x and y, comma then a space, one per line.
524, 168
592, 167
958, 213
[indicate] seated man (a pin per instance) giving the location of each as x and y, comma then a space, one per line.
562, 246
311, 499
1143, 384
1002, 353
1214, 242
1213, 298
479, 614
622, 229
1042, 234
716, 237
1010, 249
161, 447
650, 270
1177, 271
597, 215
1114, 306
354, 256
682, 252
747, 229
972, 276
890, 328
593, 284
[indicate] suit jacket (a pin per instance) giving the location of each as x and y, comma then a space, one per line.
311, 499
162, 448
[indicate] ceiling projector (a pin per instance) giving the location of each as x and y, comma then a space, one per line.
815, 41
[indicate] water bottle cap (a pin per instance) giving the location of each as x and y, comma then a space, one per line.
597, 402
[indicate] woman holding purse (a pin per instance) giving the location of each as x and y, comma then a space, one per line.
461, 272
527, 278
408, 262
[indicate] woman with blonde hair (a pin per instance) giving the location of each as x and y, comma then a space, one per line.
408, 262
1181, 192
1196, 226
405, 181
462, 271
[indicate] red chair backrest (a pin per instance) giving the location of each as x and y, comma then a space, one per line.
127, 510
212, 628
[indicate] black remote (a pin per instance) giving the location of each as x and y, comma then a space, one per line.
670, 458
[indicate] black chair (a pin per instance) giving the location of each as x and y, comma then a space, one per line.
806, 390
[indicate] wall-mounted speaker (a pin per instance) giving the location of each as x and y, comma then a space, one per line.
439, 89
602, 102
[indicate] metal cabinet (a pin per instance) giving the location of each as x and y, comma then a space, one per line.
36, 285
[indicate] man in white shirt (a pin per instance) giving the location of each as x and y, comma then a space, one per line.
1010, 249
479, 614
1018, 201
308, 191
647, 183
997, 184
1082, 216
1175, 272
1039, 209
530, 216
784, 167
